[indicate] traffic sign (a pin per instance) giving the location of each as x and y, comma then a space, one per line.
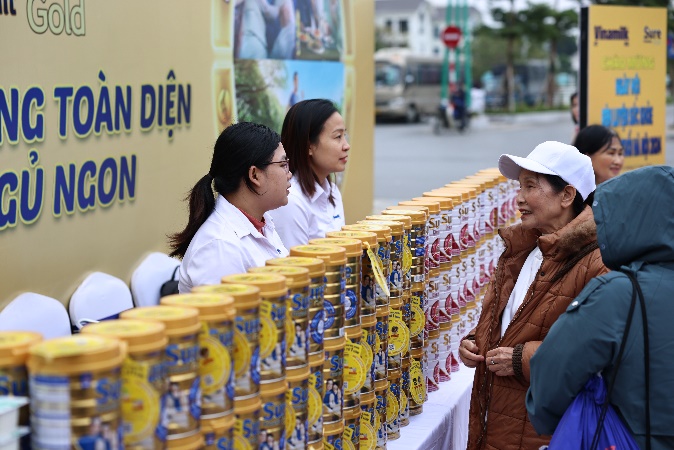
451, 36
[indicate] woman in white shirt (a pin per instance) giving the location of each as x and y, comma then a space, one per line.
314, 135
229, 230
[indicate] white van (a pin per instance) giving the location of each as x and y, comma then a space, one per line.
406, 86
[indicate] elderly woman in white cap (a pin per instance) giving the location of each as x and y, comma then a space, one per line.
549, 257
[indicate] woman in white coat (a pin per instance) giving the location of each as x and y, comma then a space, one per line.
314, 135
229, 229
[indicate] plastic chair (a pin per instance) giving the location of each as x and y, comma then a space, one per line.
99, 297
146, 281
35, 312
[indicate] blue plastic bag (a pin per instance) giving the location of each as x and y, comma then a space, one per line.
578, 425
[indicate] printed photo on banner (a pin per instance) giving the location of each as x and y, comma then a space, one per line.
266, 89
288, 29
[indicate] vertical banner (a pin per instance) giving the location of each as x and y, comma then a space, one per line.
623, 70
109, 112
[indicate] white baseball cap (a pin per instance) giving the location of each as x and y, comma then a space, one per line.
553, 158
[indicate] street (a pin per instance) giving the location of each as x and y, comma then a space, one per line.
410, 159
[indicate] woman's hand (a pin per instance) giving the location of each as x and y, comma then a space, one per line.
500, 361
468, 353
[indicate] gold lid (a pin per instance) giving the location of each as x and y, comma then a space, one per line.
397, 228
466, 191
274, 388
405, 362
179, 320
380, 385
295, 276
354, 333
368, 239
395, 302
338, 343
353, 247
211, 307
316, 266
367, 397
392, 374
405, 220
14, 346
270, 284
352, 413
368, 321
432, 206
382, 310
297, 373
190, 442
416, 353
446, 325
75, 354
245, 296
458, 196
247, 405
332, 255
418, 216
217, 424
477, 183
316, 359
446, 203
331, 429
382, 231
141, 336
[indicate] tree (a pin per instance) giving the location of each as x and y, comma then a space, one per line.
510, 29
255, 99
543, 23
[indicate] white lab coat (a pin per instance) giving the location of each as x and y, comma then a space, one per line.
305, 218
227, 243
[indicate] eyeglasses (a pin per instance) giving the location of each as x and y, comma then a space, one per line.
284, 163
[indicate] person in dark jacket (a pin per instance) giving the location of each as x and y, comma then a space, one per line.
634, 214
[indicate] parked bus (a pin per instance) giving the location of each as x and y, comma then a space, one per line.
406, 86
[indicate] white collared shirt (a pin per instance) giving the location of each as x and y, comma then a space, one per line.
529, 270
227, 243
305, 218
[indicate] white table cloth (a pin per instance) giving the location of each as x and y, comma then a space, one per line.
444, 423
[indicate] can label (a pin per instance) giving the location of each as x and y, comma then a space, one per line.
315, 408
368, 342
368, 436
355, 373
398, 334
247, 431
297, 409
222, 441
334, 320
351, 435
272, 421
351, 306
142, 408
52, 413
333, 396
246, 354
215, 368
333, 442
417, 382
381, 418
272, 340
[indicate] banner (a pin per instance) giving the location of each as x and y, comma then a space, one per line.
109, 112
623, 69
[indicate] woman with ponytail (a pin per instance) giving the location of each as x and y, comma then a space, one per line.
229, 229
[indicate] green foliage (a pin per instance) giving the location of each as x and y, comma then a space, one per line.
255, 99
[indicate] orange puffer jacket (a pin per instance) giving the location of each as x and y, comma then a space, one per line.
498, 416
